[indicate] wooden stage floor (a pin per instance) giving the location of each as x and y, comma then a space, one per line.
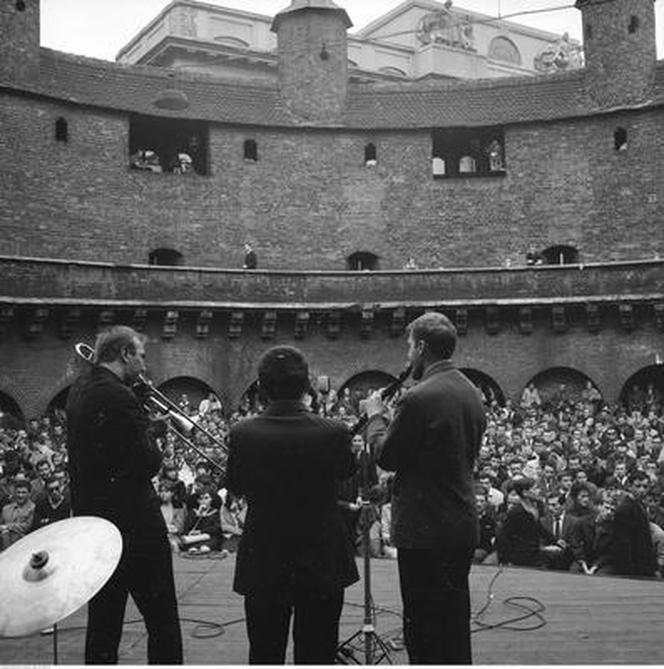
586, 620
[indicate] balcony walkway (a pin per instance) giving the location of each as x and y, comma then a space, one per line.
60, 282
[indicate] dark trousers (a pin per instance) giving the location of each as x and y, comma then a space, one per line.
436, 605
315, 625
145, 572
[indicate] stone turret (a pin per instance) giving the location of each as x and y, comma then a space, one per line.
19, 40
620, 50
313, 59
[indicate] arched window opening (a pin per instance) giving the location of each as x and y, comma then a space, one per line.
633, 24
438, 166
467, 165
491, 391
356, 389
558, 385
468, 152
61, 130
620, 139
250, 150
169, 257
370, 155
187, 392
11, 416
644, 390
362, 261
560, 255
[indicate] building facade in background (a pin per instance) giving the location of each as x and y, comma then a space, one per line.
417, 40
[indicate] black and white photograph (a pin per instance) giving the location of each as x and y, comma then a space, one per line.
331, 332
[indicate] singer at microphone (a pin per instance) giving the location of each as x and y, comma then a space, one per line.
431, 444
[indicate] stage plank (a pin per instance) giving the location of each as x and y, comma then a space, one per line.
589, 620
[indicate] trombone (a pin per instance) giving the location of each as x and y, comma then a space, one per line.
166, 406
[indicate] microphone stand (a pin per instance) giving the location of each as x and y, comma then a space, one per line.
375, 649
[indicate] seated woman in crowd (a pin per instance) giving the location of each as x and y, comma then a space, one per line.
203, 526
231, 527
520, 535
173, 512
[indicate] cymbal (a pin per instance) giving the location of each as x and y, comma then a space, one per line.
53, 571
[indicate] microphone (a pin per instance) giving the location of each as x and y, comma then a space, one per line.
387, 393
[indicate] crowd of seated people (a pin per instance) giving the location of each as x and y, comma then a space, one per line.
561, 483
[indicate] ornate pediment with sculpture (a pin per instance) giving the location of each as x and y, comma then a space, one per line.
446, 27
559, 56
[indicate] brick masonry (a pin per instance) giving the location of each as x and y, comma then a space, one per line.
309, 202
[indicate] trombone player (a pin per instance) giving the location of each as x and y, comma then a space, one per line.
111, 463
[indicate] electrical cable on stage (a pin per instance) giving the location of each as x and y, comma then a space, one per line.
516, 602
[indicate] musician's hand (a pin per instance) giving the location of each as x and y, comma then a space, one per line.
374, 405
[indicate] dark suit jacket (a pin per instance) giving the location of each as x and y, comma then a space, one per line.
565, 530
111, 460
519, 538
432, 444
287, 462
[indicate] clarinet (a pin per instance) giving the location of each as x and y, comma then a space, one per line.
387, 393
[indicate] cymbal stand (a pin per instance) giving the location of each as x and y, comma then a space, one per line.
55, 643
375, 649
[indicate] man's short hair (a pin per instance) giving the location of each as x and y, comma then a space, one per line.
637, 475
579, 487
283, 373
111, 342
21, 483
436, 331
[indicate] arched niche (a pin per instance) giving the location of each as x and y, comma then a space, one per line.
165, 257
502, 48
560, 255
193, 388
486, 385
558, 383
644, 388
59, 402
253, 400
12, 416
362, 260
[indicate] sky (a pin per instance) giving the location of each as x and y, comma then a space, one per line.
100, 28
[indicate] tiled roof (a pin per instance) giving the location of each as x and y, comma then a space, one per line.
133, 88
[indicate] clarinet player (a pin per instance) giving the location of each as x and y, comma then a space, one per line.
431, 444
